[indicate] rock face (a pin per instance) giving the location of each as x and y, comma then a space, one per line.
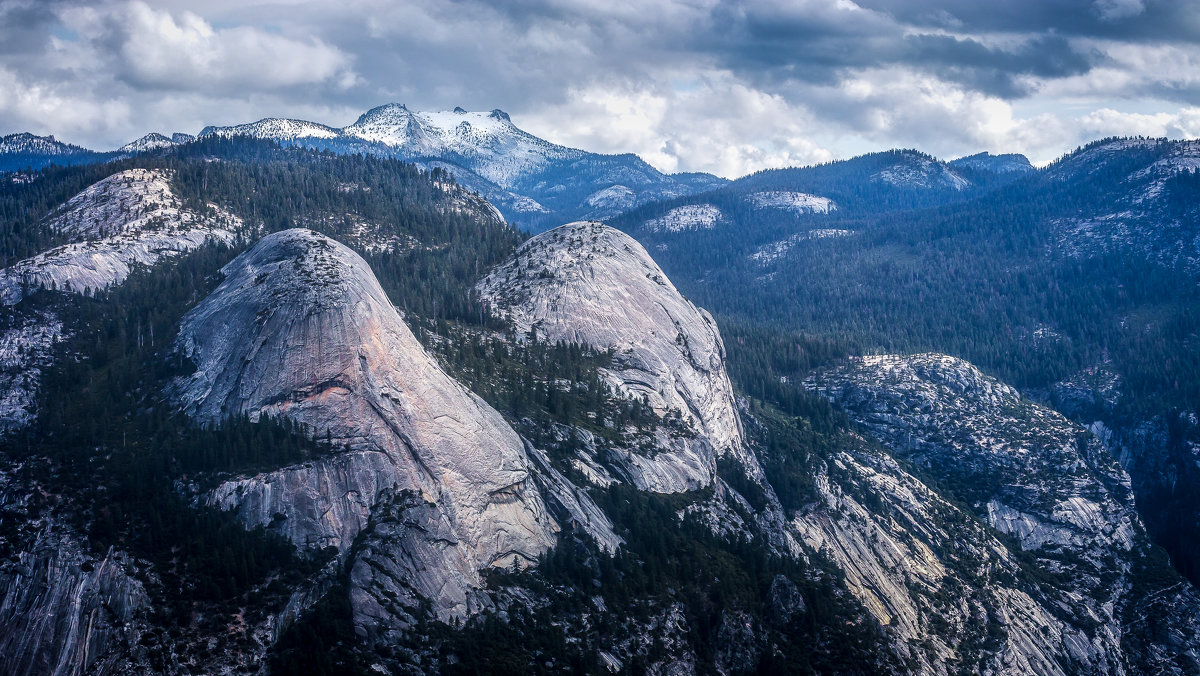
790, 200
918, 170
130, 218
64, 612
301, 328
63, 609
26, 347
1009, 163
688, 217
1076, 542
587, 283
1011, 456
931, 575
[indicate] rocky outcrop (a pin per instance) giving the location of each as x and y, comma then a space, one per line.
64, 610
1027, 470
1075, 542
947, 591
26, 347
587, 283
128, 219
301, 328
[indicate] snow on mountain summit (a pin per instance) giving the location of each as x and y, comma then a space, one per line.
488, 142
275, 128
525, 176
151, 141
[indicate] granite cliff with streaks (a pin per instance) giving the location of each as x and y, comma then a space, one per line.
301, 328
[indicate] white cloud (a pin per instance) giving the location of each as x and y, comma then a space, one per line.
696, 85
1184, 123
58, 109
1133, 71
896, 107
715, 124
156, 49
1114, 10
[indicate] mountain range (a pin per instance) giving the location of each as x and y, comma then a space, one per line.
266, 408
533, 182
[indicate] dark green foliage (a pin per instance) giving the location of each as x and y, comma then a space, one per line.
443, 247
545, 383
121, 464
112, 451
321, 642
987, 275
665, 560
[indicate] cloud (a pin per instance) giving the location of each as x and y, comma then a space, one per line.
689, 122
59, 109
1107, 122
153, 49
728, 86
1113, 10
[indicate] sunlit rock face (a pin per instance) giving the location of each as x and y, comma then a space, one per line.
590, 284
132, 218
128, 219
301, 328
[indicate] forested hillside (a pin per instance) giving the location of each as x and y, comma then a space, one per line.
1076, 283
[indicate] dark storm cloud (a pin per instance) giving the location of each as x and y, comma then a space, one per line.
25, 28
993, 70
1132, 20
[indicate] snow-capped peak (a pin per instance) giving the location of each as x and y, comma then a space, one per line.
489, 142
151, 141
276, 128
25, 142
394, 124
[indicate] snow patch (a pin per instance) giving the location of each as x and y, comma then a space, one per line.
771, 252
687, 217
797, 202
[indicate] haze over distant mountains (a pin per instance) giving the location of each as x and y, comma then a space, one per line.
533, 182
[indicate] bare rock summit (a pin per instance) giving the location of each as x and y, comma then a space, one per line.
301, 328
590, 284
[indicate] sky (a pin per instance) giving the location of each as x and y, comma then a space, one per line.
692, 85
